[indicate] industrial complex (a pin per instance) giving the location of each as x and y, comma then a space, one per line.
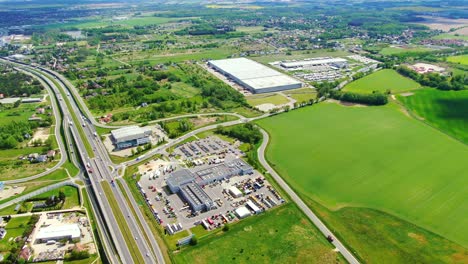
130, 136
253, 76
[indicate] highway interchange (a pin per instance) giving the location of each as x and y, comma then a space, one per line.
102, 170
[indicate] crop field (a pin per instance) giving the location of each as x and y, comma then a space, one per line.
462, 59
276, 99
374, 157
283, 235
382, 81
445, 110
396, 50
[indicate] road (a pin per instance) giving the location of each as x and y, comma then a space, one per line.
295, 198
63, 153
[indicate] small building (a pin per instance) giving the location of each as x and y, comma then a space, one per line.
11, 100
242, 212
130, 136
253, 207
235, 192
58, 232
42, 158
51, 153
31, 100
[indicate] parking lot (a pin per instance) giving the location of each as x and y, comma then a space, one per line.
206, 147
204, 154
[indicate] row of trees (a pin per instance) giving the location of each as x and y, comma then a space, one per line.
247, 133
375, 98
14, 133
435, 80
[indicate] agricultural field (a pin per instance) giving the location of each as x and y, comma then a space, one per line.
461, 59
282, 235
445, 110
382, 81
397, 50
271, 98
395, 164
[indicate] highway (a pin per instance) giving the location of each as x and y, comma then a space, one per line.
296, 199
102, 169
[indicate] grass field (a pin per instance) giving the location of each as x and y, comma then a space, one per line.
22, 113
15, 227
302, 95
445, 110
276, 99
283, 235
393, 163
72, 197
462, 59
397, 50
382, 81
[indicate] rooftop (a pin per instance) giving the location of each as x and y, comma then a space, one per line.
252, 73
129, 131
54, 231
318, 61
11, 100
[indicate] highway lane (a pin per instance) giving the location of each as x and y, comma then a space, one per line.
101, 168
313, 218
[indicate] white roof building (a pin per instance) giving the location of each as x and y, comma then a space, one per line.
130, 133
254, 208
254, 76
242, 212
57, 232
235, 192
312, 62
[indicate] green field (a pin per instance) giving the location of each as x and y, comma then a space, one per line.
15, 227
461, 59
302, 95
445, 110
374, 157
397, 50
72, 198
382, 81
276, 99
283, 235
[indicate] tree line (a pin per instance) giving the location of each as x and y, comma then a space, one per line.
435, 80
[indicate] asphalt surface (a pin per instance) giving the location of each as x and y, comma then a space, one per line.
313, 218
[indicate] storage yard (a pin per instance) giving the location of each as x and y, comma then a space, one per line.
58, 233
218, 188
253, 76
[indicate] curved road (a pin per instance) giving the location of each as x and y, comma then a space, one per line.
63, 153
317, 222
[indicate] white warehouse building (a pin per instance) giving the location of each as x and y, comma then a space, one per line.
130, 136
58, 232
254, 76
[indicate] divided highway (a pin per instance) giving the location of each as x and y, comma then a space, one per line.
102, 169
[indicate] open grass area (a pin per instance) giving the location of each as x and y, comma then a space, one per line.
271, 98
373, 157
461, 59
302, 95
72, 198
15, 227
382, 81
282, 235
21, 113
123, 226
397, 50
445, 110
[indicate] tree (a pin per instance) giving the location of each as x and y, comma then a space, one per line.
226, 227
61, 196
194, 241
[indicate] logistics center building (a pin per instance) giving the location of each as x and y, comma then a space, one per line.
130, 136
254, 76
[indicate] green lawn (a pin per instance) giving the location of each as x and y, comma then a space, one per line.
382, 81
397, 50
373, 157
276, 99
461, 59
15, 227
445, 110
72, 197
302, 95
283, 235
21, 113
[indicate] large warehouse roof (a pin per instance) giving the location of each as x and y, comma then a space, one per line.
253, 74
312, 62
128, 133
59, 231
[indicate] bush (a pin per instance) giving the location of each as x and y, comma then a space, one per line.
194, 241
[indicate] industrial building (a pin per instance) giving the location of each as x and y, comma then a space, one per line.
130, 136
188, 182
335, 62
58, 232
254, 76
